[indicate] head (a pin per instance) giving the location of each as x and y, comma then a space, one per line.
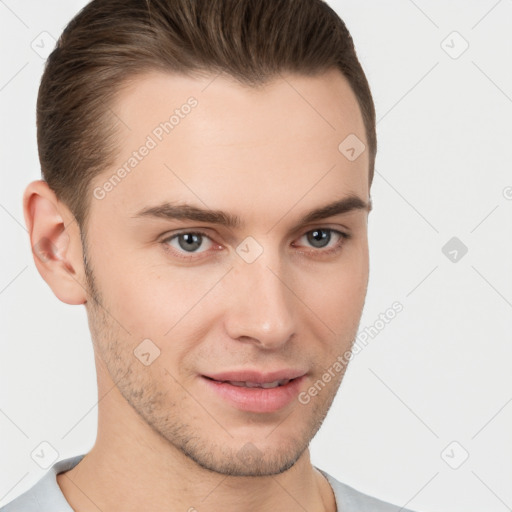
197, 145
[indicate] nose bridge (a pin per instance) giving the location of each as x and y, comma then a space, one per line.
261, 306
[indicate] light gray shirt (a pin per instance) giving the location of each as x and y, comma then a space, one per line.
46, 496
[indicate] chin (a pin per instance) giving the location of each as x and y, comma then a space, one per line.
248, 461
243, 458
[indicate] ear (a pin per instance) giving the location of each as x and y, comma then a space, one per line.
55, 241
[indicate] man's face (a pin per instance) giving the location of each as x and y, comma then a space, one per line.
268, 299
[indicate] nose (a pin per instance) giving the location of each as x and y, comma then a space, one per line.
262, 307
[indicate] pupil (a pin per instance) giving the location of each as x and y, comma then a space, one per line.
319, 237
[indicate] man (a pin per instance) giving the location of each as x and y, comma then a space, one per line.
207, 168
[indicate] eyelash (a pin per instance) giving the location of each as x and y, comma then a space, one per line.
344, 237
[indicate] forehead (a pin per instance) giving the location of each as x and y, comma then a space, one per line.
211, 138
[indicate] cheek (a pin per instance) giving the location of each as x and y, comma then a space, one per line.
156, 301
338, 292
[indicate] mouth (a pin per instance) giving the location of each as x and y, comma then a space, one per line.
261, 393
249, 384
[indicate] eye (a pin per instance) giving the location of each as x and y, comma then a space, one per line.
188, 242
320, 238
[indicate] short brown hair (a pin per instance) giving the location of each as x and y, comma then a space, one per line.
110, 41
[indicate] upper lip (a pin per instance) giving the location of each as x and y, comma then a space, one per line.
257, 376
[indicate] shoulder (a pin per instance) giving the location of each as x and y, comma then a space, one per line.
45, 495
349, 499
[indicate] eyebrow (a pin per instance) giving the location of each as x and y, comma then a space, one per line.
176, 211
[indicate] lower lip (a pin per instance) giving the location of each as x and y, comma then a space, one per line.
256, 399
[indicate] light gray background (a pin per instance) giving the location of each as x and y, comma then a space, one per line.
439, 372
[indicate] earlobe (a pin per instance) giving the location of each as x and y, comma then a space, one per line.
55, 241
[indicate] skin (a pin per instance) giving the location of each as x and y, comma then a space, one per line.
164, 440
